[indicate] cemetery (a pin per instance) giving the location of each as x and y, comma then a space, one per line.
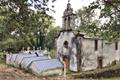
82, 48
38, 64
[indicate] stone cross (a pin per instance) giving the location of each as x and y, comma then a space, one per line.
68, 1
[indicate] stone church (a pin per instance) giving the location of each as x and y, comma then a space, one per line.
87, 52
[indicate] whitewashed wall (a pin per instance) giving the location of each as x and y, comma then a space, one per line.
89, 60
89, 57
68, 36
117, 52
110, 54
65, 36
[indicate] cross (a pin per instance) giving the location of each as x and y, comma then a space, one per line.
68, 1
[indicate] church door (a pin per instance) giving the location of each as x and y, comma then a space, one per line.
66, 61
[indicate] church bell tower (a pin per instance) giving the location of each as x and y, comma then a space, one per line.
68, 18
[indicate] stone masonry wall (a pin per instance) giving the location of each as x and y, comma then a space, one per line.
105, 49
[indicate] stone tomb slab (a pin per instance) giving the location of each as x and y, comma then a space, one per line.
26, 62
12, 58
46, 67
20, 57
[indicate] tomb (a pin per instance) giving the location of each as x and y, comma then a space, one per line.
37, 62
46, 67
28, 61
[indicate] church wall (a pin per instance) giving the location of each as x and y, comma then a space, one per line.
118, 52
108, 51
88, 55
65, 36
68, 36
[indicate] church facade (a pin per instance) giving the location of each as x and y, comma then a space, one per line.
87, 52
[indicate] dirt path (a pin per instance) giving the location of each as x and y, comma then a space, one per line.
11, 73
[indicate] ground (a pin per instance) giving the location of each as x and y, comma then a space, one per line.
11, 73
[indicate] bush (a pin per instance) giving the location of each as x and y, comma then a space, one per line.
52, 53
2, 57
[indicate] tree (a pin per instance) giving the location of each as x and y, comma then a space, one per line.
88, 23
20, 24
109, 17
50, 37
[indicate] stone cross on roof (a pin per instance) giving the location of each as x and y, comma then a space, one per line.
68, 1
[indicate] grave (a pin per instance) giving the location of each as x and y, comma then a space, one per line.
37, 62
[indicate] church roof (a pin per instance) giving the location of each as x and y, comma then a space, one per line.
78, 33
75, 32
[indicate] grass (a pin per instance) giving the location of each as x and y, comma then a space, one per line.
107, 73
113, 78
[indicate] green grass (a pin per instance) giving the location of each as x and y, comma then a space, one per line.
107, 73
113, 78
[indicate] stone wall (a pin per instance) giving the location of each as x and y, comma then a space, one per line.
64, 36
105, 49
68, 36
89, 57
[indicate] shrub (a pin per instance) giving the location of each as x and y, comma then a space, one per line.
52, 53
2, 57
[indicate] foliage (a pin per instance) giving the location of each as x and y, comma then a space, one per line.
2, 57
88, 23
52, 53
19, 24
50, 37
108, 19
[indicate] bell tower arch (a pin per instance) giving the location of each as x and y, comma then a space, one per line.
68, 18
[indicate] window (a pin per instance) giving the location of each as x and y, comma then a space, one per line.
116, 45
68, 21
96, 45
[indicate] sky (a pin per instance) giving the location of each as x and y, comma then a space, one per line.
60, 6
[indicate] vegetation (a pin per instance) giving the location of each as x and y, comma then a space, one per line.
52, 53
107, 72
88, 23
2, 58
102, 18
20, 24
50, 37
